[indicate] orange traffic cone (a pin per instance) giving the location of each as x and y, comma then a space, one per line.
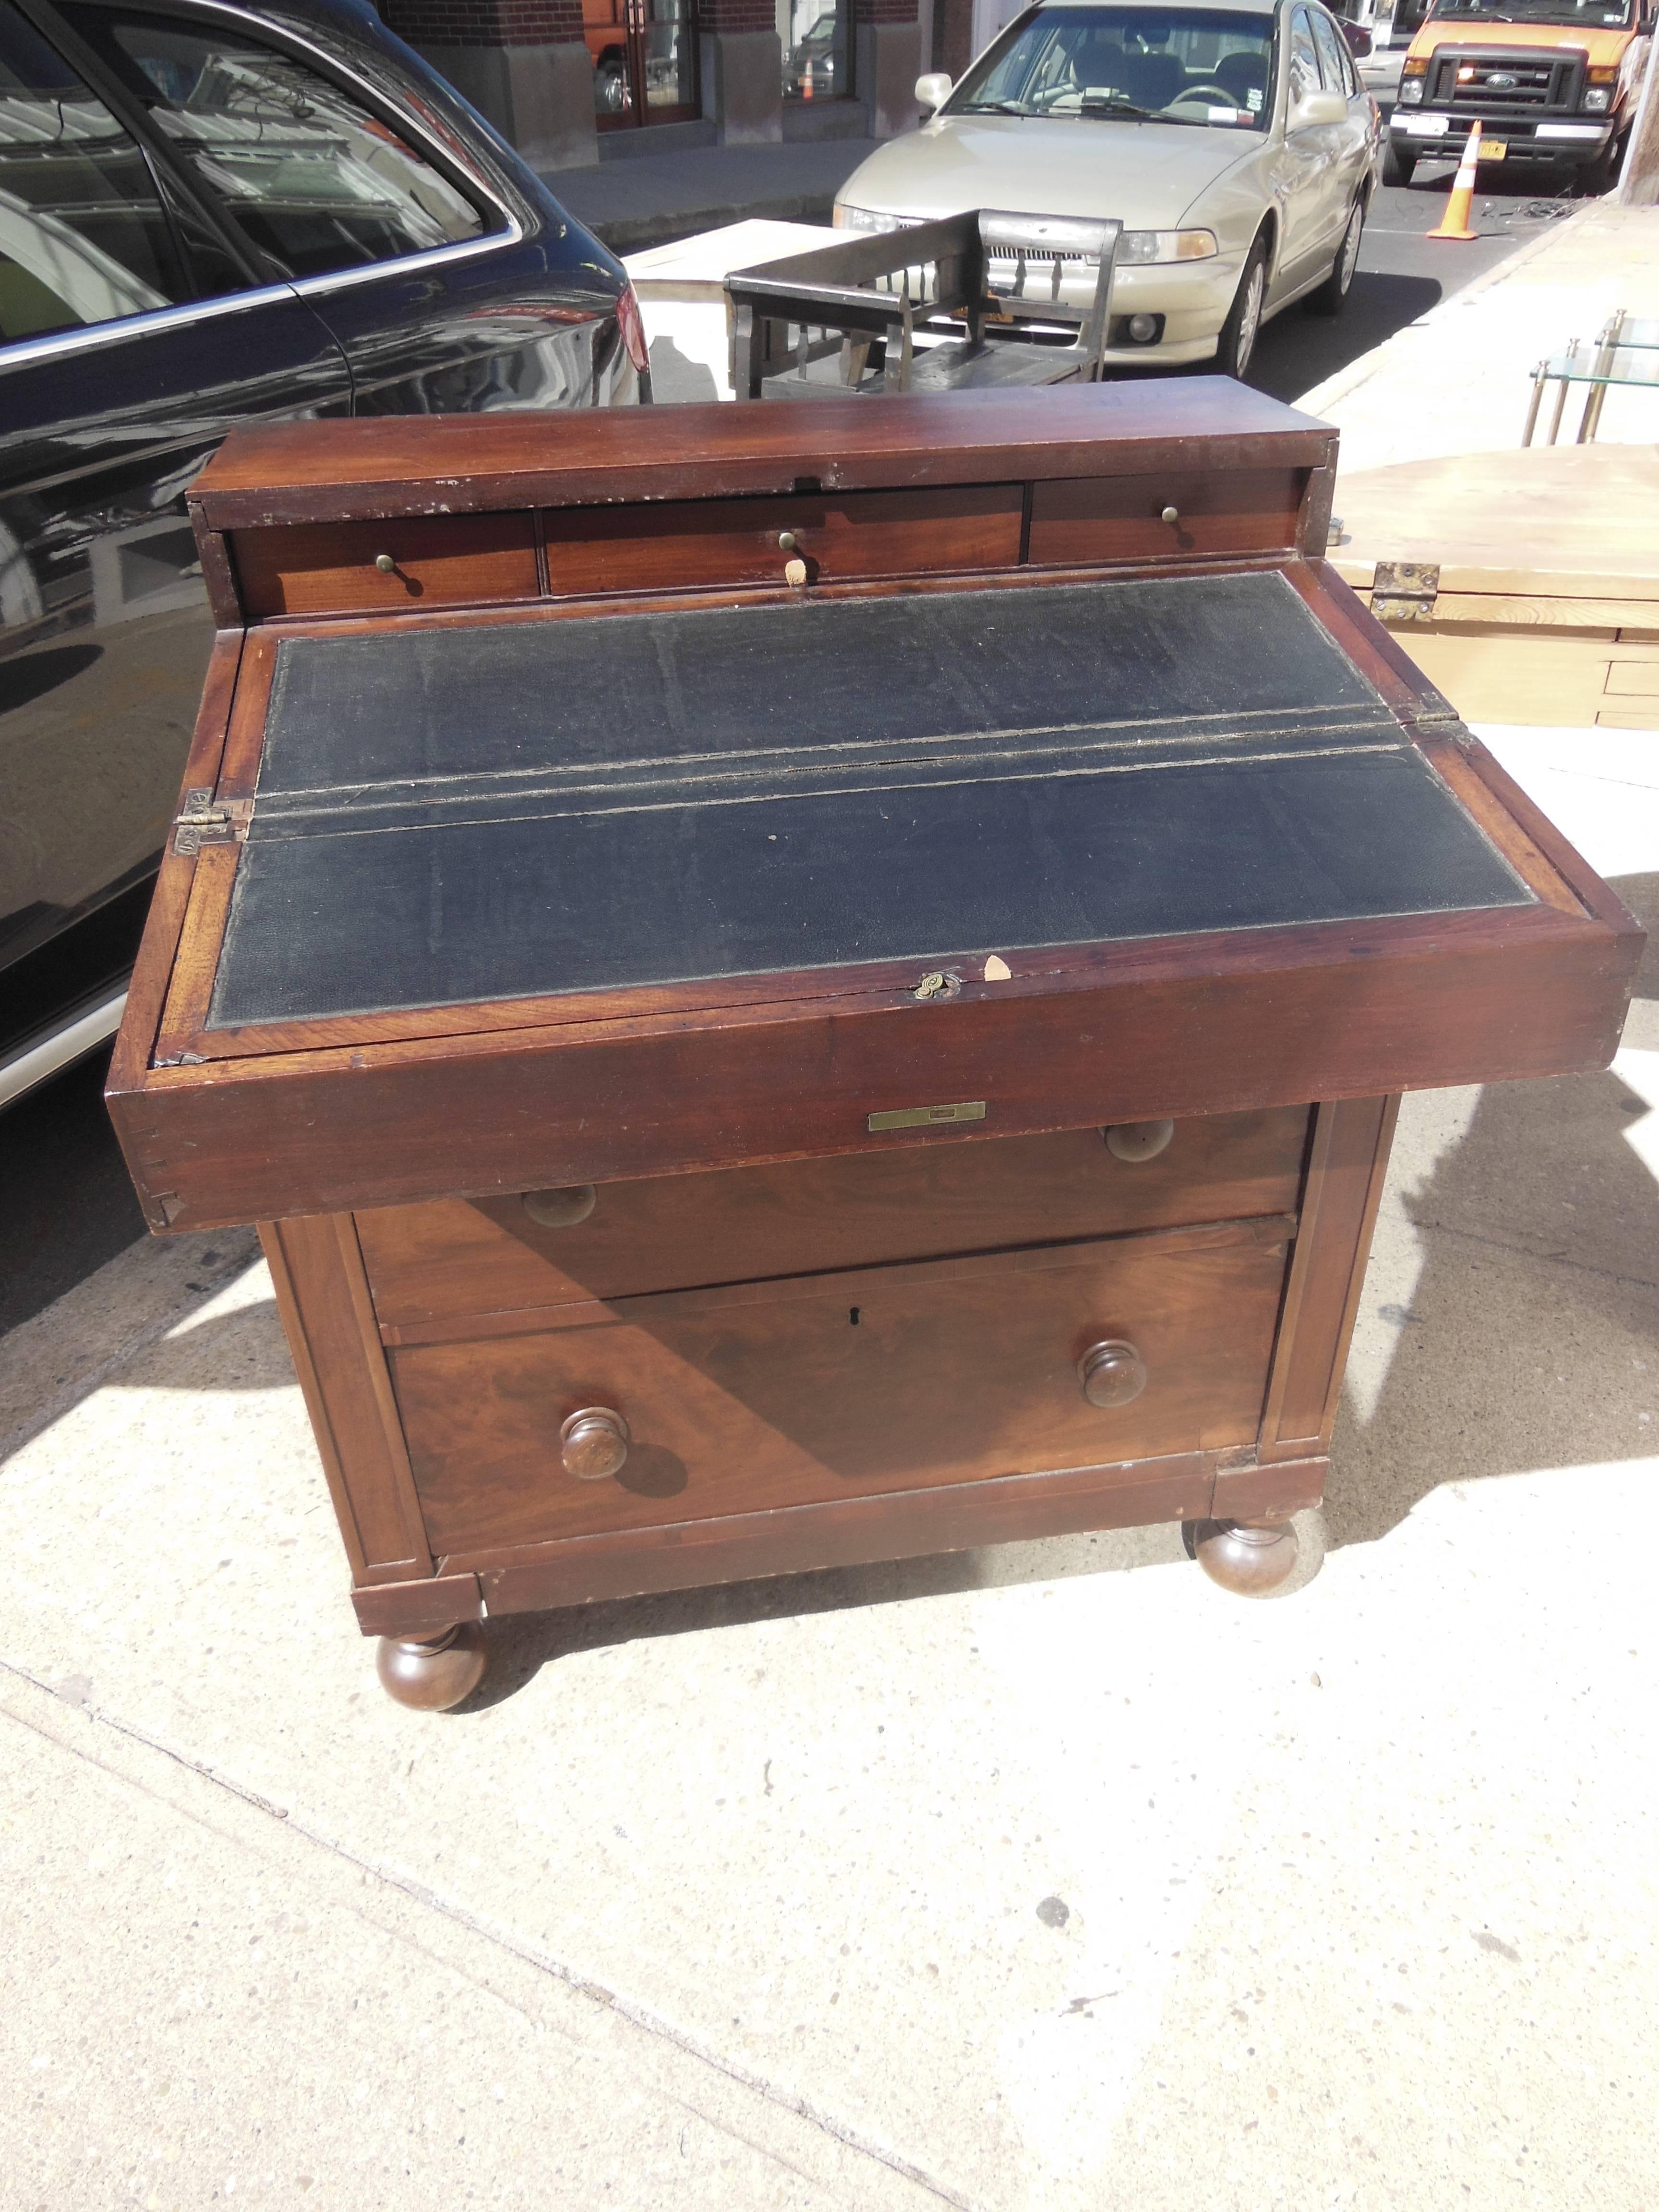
1455, 223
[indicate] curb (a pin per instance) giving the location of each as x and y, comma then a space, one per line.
1359, 372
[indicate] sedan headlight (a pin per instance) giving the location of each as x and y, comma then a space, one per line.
1411, 92
1139, 247
855, 218
1598, 100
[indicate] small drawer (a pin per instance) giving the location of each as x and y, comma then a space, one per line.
1122, 518
699, 544
447, 1259
335, 568
742, 1400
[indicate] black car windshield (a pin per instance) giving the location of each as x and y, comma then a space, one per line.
1581, 15
1204, 66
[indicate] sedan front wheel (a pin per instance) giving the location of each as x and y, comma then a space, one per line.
1236, 342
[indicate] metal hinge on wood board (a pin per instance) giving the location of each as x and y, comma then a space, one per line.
200, 822
1405, 591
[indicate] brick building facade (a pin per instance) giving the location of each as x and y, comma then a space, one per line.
527, 65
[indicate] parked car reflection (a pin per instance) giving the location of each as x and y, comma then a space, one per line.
210, 218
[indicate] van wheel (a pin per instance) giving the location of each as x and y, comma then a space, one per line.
1236, 342
1596, 177
1328, 298
1397, 167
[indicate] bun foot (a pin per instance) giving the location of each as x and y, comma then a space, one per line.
432, 1672
1252, 1559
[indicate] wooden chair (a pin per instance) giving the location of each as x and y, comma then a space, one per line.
871, 295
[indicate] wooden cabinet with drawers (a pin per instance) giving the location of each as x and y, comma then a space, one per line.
795, 986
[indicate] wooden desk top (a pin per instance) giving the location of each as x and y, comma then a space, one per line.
1063, 785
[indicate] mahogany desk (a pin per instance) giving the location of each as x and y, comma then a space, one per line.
785, 1007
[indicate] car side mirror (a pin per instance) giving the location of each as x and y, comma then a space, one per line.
933, 90
1360, 42
1316, 109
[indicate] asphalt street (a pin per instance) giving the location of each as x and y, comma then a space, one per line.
1402, 273
65, 1204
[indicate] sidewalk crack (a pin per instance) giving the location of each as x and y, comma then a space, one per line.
633, 2009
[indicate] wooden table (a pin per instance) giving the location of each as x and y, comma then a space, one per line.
1525, 584
785, 1008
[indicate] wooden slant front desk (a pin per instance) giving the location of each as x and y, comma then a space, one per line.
797, 986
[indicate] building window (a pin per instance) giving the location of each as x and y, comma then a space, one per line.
817, 38
644, 54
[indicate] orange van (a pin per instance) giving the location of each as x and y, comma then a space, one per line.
1547, 80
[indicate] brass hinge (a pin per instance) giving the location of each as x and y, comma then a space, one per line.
1404, 590
199, 822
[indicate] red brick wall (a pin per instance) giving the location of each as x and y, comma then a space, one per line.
884, 11
737, 16
485, 22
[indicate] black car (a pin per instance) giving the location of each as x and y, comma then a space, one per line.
209, 216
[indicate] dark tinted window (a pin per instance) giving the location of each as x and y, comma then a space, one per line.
313, 180
83, 237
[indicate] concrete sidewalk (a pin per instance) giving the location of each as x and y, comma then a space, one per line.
1459, 380
1043, 1880
651, 199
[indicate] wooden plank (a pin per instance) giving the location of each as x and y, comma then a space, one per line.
1268, 1492
1347, 1164
849, 1532
425, 1607
322, 1297
329, 471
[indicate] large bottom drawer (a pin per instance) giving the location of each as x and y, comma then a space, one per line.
776, 1394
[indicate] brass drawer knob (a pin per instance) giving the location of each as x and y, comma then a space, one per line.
1171, 515
1139, 1140
386, 564
561, 1209
593, 1444
788, 542
1112, 1373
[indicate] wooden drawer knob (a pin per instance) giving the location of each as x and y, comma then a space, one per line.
1139, 1140
593, 1444
561, 1209
1112, 1373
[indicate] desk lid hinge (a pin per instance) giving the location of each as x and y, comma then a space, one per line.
1405, 591
201, 822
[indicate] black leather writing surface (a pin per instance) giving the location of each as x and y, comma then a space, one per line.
512, 809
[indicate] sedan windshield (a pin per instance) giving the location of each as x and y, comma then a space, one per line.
1204, 66
1584, 14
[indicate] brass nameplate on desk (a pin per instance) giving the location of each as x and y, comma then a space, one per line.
924, 1117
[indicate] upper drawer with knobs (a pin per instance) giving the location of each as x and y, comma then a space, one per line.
828, 537
433, 1266
1171, 516
406, 564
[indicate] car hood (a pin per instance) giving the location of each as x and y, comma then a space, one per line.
1147, 174
1603, 46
